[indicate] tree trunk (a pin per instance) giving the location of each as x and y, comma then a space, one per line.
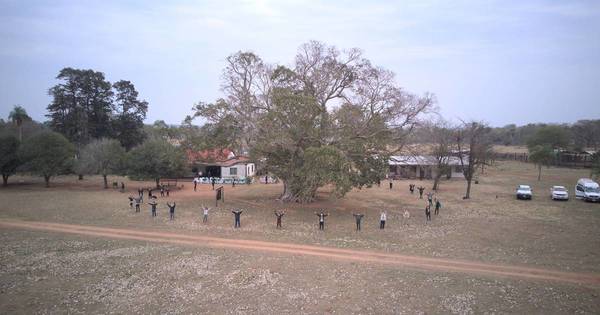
20, 133
539, 172
5, 179
105, 181
157, 182
468, 194
289, 195
47, 180
436, 181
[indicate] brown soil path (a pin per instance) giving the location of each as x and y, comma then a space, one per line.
438, 264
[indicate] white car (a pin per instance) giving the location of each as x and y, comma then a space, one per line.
524, 192
587, 190
559, 193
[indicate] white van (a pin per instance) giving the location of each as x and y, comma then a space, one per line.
587, 190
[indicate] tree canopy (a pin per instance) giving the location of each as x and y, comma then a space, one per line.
155, 159
47, 154
86, 106
9, 160
331, 106
101, 156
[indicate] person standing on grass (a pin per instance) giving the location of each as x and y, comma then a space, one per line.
438, 205
358, 217
391, 184
153, 207
427, 213
322, 216
406, 216
171, 210
130, 202
212, 181
138, 201
195, 183
411, 188
122, 187
237, 214
430, 198
205, 217
140, 191
421, 189
382, 218
162, 190
279, 215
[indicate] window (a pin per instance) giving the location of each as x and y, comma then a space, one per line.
232, 171
579, 188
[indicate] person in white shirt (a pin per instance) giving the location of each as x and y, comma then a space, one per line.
205, 218
382, 219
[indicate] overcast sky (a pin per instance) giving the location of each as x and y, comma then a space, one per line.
498, 61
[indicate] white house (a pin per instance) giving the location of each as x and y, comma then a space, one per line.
422, 166
221, 164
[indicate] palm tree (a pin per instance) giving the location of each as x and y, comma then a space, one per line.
18, 115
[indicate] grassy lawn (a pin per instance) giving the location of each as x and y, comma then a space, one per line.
98, 275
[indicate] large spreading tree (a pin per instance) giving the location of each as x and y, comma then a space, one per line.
332, 118
47, 154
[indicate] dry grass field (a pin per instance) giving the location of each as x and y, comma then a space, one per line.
51, 272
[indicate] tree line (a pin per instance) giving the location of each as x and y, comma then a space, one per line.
330, 118
94, 127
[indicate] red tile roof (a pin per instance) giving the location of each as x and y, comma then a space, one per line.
211, 155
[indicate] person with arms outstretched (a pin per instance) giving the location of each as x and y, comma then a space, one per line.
358, 217
322, 216
237, 214
279, 214
171, 210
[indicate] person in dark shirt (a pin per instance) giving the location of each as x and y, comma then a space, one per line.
153, 207
130, 202
140, 191
122, 187
358, 217
438, 205
421, 189
212, 181
171, 210
237, 214
411, 188
279, 215
322, 216
391, 184
427, 213
138, 201
162, 191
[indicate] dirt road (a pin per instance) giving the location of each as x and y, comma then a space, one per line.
445, 265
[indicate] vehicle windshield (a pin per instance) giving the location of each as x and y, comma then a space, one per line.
592, 189
524, 188
559, 189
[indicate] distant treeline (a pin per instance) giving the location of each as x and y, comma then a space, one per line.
584, 134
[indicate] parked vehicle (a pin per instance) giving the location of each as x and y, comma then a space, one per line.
559, 193
587, 190
524, 192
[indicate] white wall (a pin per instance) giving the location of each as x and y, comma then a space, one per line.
243, 170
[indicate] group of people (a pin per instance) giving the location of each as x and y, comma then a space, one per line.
139, 200
431, 203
